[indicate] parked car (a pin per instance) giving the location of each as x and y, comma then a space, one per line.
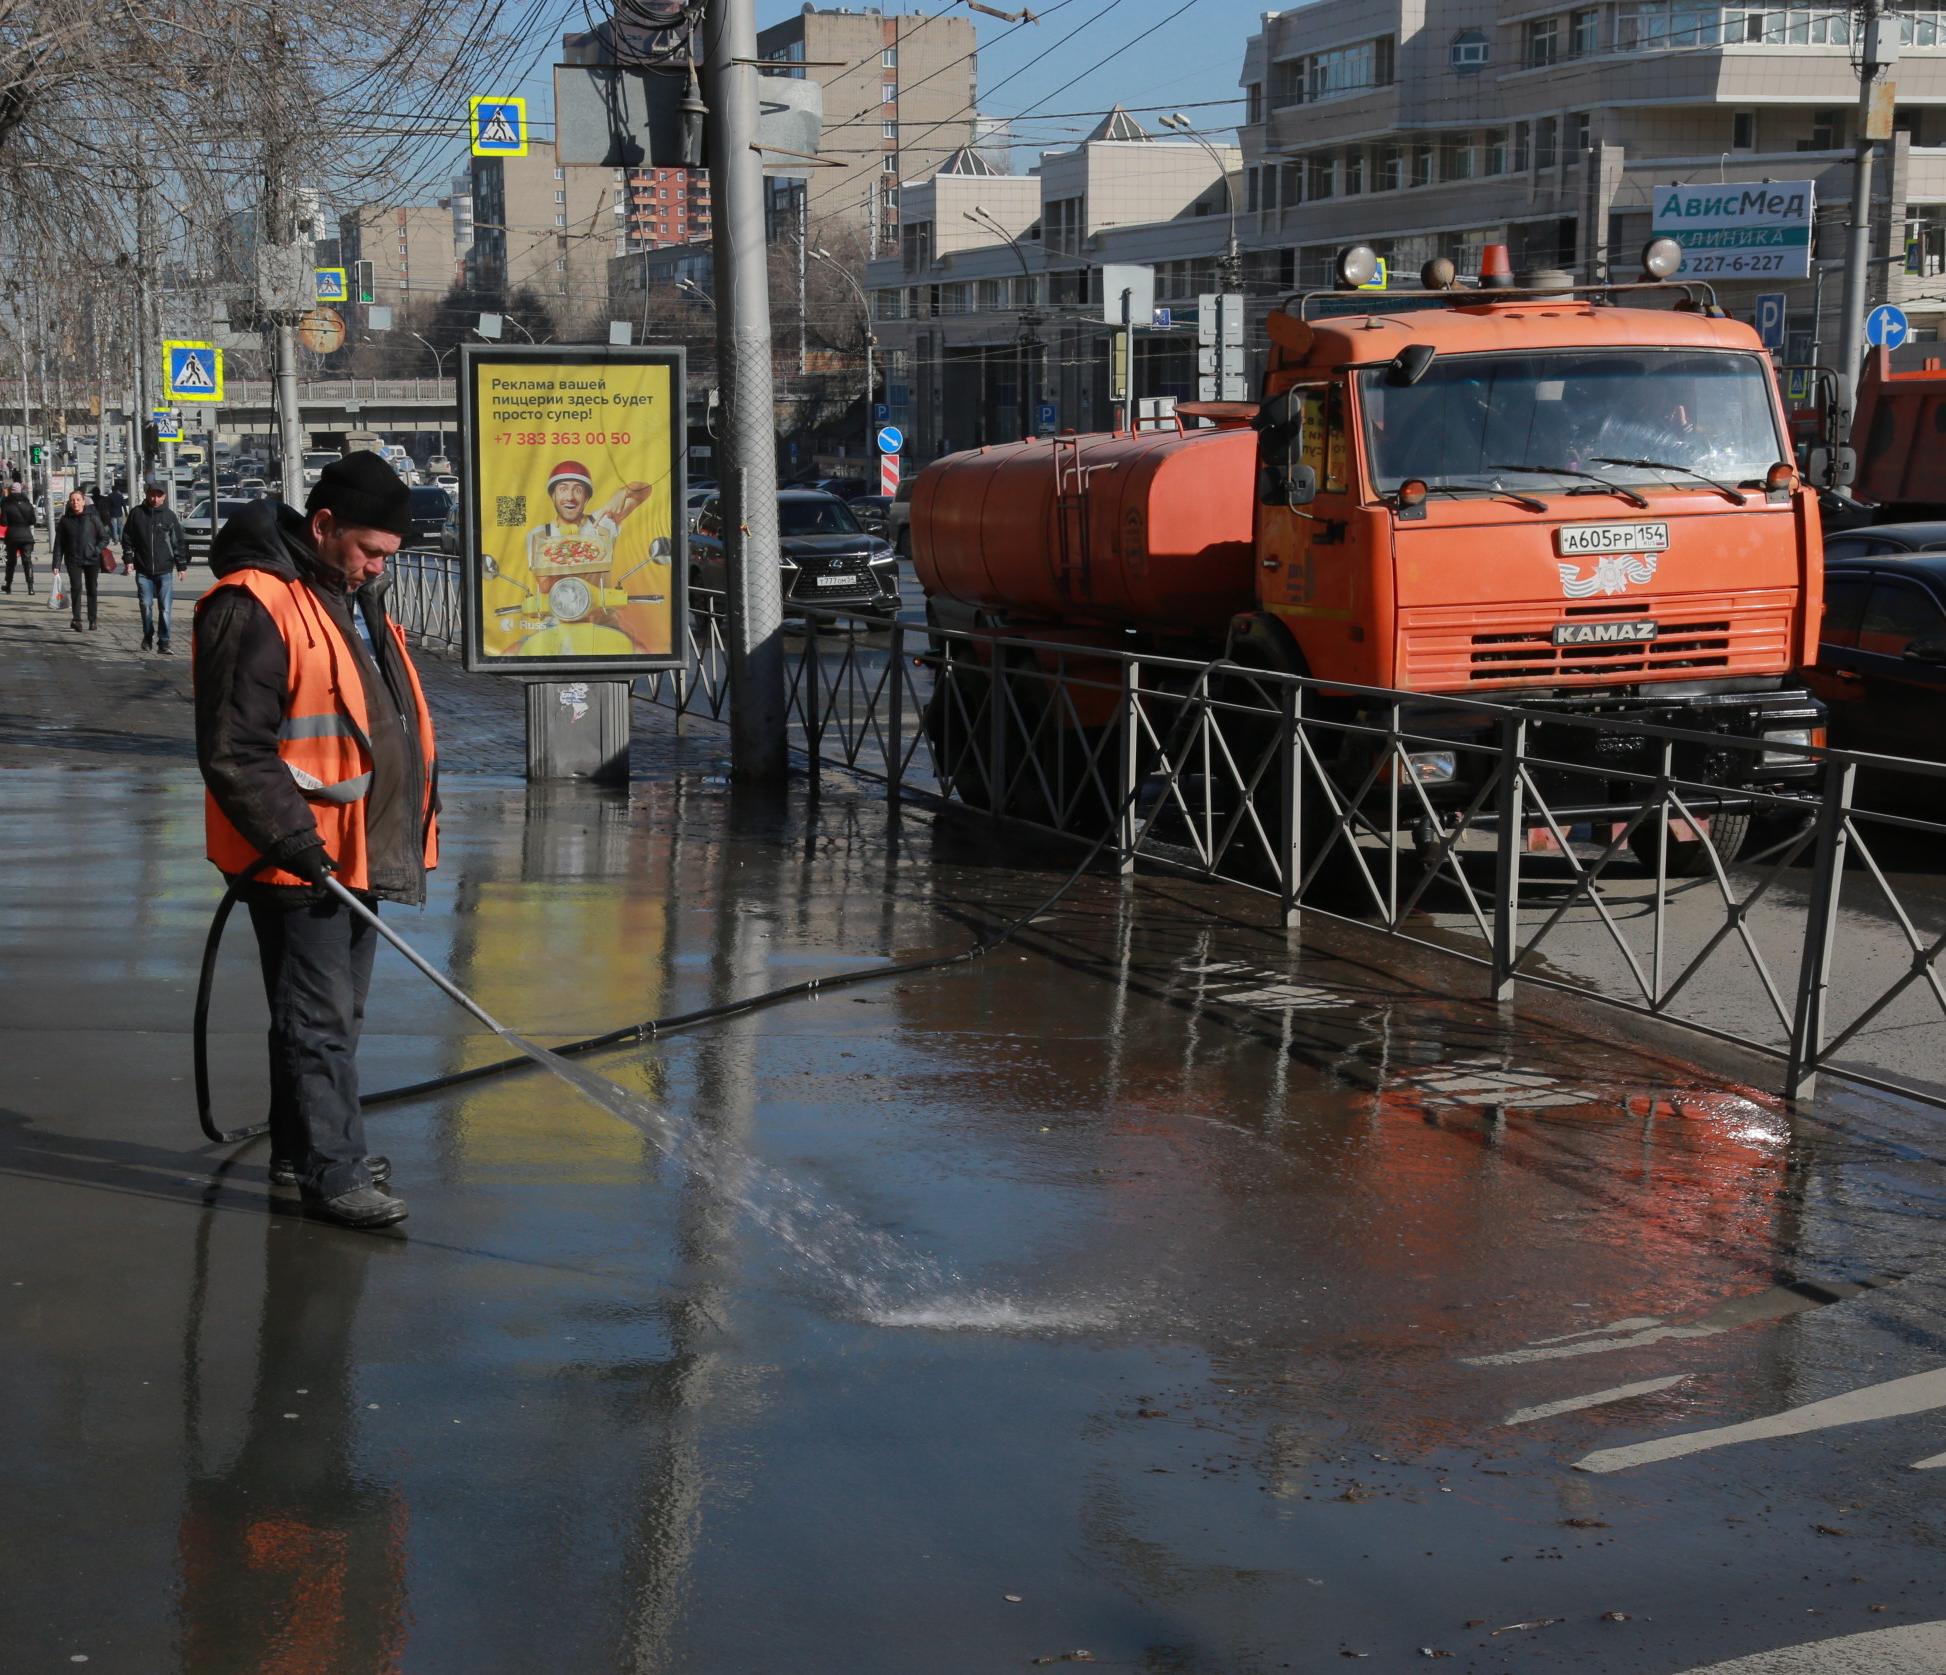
870, 510
694, 502
1881, 667
195, 522
846, 488
829, 558
428, 508
449, 531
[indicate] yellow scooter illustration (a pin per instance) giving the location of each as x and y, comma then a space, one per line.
563, 609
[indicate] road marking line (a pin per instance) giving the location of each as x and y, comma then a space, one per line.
1590, 1346
1915, 1649
1931, 1464
1918, 1393
1574, 1404
1635, 1323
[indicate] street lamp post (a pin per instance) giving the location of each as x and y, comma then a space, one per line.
439, 385
864, 303
1029, 339
1232, 256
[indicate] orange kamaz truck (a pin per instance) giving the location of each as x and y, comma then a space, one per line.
1581, 500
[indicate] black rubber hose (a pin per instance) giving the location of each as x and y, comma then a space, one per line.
204, 982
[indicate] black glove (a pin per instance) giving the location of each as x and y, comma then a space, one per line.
304, 856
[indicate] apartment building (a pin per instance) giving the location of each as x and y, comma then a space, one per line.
1430, 129
539, 225
667, 206
990, 310
898, 101
410, 249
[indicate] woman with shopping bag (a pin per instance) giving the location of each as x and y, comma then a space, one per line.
80, 542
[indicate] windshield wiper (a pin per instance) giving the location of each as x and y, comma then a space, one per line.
1608, 483
1457, 489
1723, 489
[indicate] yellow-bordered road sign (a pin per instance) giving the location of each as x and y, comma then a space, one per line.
498, 126
332, 286
192, 372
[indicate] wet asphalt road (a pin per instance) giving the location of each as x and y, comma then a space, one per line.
1156, 1288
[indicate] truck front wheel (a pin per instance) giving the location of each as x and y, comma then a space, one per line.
1689, 857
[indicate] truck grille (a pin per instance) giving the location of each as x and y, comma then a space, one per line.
1445, 648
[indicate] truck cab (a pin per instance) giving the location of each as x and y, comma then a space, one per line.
1554, 497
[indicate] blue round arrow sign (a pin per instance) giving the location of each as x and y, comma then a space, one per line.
1886, 325
890, 439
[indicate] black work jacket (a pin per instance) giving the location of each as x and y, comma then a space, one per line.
242, 669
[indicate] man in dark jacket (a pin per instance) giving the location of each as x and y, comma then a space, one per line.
317, 751
17, 512
158, 552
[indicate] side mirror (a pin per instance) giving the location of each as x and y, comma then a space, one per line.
1409, 365
1931, 650
1282, 477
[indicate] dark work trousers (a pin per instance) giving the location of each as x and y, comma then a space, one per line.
23, 553
317, 964
82, 576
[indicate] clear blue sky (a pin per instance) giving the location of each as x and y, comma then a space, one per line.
1170, 60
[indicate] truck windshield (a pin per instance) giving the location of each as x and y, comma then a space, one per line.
1572, 411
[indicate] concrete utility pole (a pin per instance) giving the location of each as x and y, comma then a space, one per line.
749, 488
1879, 51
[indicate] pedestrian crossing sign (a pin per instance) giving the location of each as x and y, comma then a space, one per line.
499, 126
168, 425
332, 286
192, 371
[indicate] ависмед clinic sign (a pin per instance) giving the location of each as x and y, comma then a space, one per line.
1738, 229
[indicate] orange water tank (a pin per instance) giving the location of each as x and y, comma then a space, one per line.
1150, 530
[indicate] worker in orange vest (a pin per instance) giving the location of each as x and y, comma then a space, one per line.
317, 754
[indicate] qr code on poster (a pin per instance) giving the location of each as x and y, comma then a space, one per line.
510, 510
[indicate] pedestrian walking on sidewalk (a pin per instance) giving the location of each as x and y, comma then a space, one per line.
317, 751
112, 504
157, 551
79, 537
17, 513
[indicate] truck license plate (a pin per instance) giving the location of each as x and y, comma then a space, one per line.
1594, 539
1613, 632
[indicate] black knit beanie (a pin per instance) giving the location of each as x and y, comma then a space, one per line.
363, 492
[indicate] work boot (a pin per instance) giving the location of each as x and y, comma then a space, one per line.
363, 1206
283, 1170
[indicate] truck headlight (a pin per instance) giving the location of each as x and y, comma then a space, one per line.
1428, 767
1787, 744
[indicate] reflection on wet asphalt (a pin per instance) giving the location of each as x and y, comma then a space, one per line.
1156, 1286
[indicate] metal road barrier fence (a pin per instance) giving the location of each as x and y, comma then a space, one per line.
425, 596
1592, 855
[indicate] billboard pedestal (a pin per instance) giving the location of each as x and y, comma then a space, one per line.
578, 730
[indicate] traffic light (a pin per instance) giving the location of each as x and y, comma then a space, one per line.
366, 285
36, 453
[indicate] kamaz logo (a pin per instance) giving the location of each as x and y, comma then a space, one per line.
1611, 633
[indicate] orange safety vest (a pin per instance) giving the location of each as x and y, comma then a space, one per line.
325, 739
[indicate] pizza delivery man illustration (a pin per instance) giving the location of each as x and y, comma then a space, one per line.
575, 547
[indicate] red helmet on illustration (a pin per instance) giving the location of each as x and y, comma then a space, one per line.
570, 471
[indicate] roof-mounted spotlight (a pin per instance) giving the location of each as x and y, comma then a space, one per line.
1660, 259
1357, 267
